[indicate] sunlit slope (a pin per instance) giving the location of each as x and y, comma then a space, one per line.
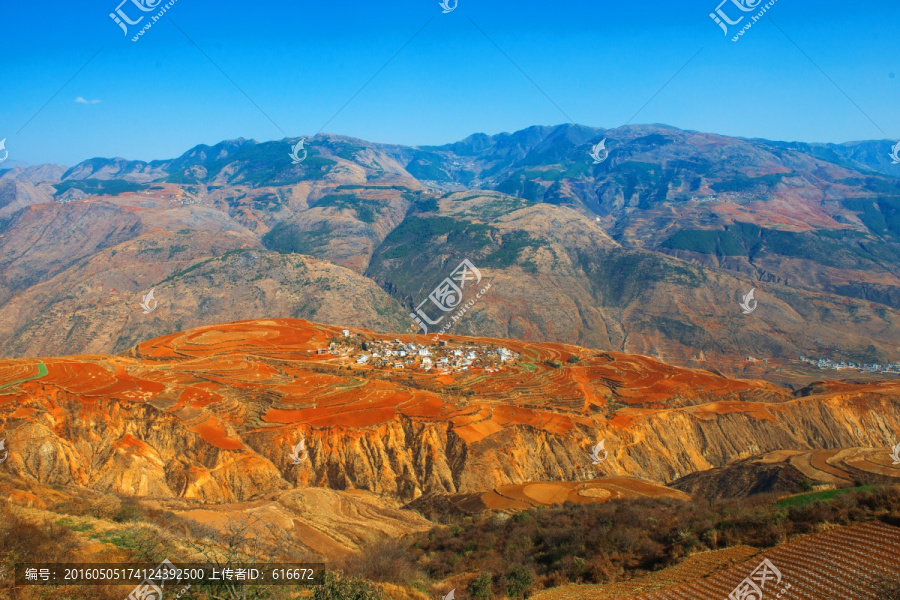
214, 413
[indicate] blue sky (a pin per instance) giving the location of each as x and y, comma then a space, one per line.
300, 62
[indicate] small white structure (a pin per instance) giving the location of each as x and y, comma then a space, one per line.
346, 332
362, 359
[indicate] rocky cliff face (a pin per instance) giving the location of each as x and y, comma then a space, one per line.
215, 414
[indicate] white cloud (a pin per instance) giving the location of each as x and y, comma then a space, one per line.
80, 100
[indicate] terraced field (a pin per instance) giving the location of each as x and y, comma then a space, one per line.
848, 562
844, 466
211, 414
530, 495
699, 565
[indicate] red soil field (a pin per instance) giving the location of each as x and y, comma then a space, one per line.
246, 392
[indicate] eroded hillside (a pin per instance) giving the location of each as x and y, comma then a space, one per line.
213, 414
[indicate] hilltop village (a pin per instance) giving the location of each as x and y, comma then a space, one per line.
824, 363
442, 357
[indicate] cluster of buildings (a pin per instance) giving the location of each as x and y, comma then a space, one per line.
442, 357
824, 363
719, 197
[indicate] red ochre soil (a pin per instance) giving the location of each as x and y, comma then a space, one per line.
241, 386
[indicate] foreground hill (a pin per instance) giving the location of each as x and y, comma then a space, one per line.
192, 441
648, 252
212, 414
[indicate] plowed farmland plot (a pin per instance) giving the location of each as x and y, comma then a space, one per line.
846, 563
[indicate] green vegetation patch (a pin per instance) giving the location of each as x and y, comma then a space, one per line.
287, 238
428, 166
510, 249
813, 497
258, 165
99, 187
175, 249
42, 371
706, 241
366, 210
415, 234
203, 262
880, 215
623, 275
72, 525
742, 183
836, 248
401, 188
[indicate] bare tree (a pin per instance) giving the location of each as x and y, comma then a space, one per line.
246, 540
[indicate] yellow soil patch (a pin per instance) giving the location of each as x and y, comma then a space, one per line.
550, 493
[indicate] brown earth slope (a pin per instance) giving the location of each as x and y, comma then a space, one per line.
212, 414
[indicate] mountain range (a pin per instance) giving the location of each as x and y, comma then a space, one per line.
650, 251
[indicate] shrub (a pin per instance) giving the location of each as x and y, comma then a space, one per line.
518, 581
480, 588
335, 586
127, 512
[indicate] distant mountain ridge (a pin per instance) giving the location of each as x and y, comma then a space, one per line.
647, 251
